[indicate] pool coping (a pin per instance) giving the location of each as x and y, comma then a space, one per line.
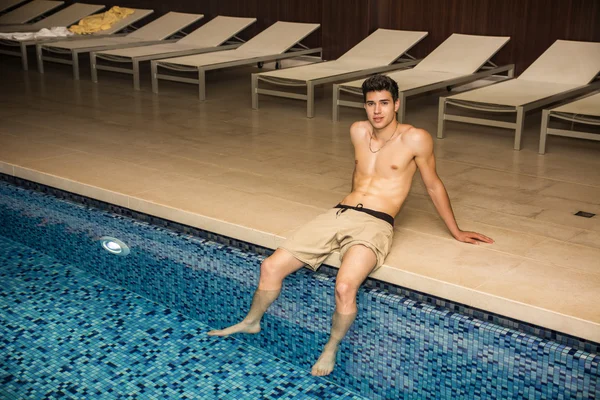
487, 306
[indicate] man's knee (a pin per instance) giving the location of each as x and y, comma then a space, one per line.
270, 270
345, 291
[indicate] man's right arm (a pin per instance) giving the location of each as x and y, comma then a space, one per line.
422, 144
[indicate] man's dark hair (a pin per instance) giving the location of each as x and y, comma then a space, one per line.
377, 83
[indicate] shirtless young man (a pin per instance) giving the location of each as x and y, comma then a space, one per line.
387, 154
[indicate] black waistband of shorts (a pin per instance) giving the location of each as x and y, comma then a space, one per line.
377, 214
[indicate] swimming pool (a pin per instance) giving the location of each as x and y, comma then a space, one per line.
83, 322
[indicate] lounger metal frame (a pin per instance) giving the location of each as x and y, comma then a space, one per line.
201, 70
22, 44
135, 61
489, 69
571, 117
231, 43
404, 61
74, 53
22, 50
519, 111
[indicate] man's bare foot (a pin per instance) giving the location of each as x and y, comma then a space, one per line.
243, 327
325, 363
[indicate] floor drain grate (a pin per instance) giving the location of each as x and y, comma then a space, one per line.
584, 214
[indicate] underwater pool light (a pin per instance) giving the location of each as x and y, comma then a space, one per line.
114, 246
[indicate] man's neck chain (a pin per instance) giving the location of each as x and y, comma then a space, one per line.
386, 142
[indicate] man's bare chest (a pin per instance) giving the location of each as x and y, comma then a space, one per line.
391, 160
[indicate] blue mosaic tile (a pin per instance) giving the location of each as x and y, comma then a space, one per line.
66, 333
399, 347
544, 333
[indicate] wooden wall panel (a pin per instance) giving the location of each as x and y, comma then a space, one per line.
547, 21
235, 8
533, 25
344, 23
441, 18
294, 11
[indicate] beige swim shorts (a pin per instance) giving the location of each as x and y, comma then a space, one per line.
339, 229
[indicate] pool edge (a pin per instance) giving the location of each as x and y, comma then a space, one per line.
568, 330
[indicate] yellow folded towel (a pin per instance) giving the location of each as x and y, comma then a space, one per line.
100, 22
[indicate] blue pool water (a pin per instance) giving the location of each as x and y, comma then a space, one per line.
78, 322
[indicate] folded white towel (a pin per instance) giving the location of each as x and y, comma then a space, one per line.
57, 31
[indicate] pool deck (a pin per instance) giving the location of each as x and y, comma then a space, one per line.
256, 175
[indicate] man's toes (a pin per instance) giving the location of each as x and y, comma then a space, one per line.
316, 371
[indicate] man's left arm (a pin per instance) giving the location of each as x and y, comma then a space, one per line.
422, 144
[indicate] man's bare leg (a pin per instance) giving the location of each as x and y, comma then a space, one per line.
272, 272
357, 264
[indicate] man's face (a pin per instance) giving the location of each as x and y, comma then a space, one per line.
381, 108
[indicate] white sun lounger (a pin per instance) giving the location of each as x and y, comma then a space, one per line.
154, 32
376, 53
216, 35
273, 44
582, 111
8, 4
564, 71
28, 12
64, 17
458, 60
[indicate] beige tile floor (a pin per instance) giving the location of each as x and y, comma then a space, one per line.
257, 175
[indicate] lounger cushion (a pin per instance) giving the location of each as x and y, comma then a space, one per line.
587, 106
514, 92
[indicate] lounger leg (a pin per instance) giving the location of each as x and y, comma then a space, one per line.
310, 100
94, 70
519, 128
40, 60
544, 131
154, 68
254, 80
136, 74
441, 119
402, 108
201, 84
24, 56
336, 106
75, 59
